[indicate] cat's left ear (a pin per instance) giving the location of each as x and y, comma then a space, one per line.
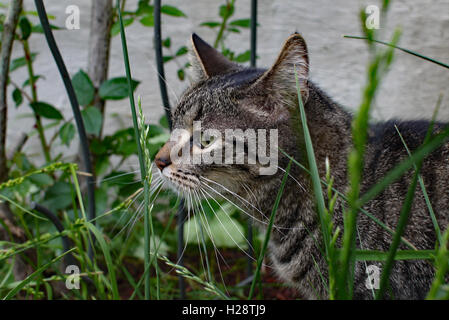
280, 78
207, 61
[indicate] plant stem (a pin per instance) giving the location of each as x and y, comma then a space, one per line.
39, 126
143, 173
269, 227
222, 27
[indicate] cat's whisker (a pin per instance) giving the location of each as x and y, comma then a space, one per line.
251, 193
199, 243
206, 194
207, 221
139, 212
166, 83
216, 250
238, 207
235, 195
124, 214
181, 255
117, 176
293, 178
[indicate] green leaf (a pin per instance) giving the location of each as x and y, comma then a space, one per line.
115, 30
84, 88
101, 199
17, 97
144, 8
20, 62
167, 42
210, 24
58, 196
181, 74
181, 51
244, 23
148, 20
167, 58
67, 133
226, 10
41, 179
235, 30
25, 27
38, 28
92, 120
27, 82
102, 164
163, 121
243, 57
46, 110
172, 11
116, 88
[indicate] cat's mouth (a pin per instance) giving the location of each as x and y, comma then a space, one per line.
180, 180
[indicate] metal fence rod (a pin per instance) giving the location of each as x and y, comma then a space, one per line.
159, 60
253, 38
253, 44
75, 108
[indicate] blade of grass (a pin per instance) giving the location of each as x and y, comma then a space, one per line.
426, 196
374, 255
342, 196
107, 256
416, 54
268, 232
421, 180
139, 150
404, 216
402, 223
360, 124
425, 149
153, 256
316, 181
28, 279
442, 267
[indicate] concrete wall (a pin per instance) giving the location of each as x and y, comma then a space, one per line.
338, 65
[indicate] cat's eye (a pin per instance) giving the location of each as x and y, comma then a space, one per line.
206, 141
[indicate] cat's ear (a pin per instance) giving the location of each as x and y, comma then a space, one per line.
207, 61
280, 78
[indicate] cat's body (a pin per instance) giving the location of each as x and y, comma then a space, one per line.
229, 96
294, 252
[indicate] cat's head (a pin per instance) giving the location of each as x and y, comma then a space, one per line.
224, 99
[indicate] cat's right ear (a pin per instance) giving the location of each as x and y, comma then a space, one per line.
280, 78
207, 61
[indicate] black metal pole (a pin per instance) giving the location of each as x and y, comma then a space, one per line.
253, 32
75, 108
159, 59
253, 39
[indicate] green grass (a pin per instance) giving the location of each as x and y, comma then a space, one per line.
268, 232
116, 263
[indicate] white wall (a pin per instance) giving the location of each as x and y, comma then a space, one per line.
338, 65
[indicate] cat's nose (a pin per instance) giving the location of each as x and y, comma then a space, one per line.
161, 163
162, 158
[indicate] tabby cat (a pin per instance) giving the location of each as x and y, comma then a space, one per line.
226, 95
